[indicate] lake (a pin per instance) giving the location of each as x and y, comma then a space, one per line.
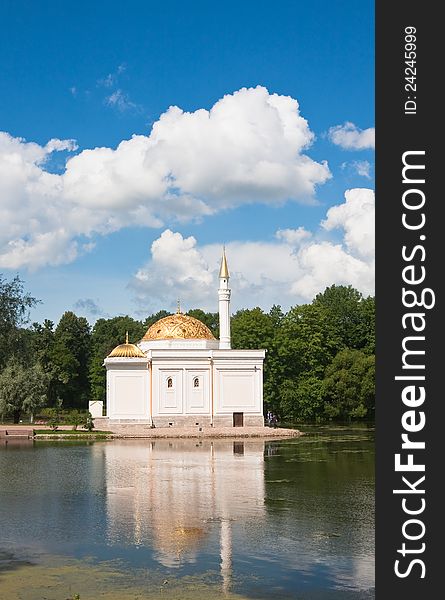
243, 519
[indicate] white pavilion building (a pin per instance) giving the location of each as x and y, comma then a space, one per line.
180, 375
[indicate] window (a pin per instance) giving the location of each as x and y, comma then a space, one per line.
196, 382
169, 382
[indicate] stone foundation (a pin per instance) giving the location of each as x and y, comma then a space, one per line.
194, 423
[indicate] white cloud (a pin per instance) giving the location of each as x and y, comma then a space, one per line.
293, 269
120, 100
249, 147
363, 168
177, 270
56, 145
356, 217
360, 167
293, 237
325, 264
111, 79
349, 137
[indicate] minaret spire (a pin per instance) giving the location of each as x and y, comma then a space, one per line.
224, 303
224, 269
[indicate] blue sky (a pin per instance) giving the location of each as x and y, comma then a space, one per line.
100, 72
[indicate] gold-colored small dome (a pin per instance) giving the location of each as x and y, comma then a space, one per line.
126, 350
178, 326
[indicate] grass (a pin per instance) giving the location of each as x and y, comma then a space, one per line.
70, 432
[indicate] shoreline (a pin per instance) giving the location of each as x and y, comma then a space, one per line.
209, 432
134, 432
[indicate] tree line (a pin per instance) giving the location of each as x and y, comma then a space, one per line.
320, 357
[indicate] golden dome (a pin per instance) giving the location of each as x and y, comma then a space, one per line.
178, 540
178, 326
126, 350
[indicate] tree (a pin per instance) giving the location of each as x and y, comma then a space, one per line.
15, 304
349, 386
253, 329
22, 389
302, 400
71, 356
367, 307
306, 342
106, 335
88, 422
41, 345
76, 418
276, 315
350, 316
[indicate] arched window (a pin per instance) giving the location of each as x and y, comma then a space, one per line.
196, 382
169, 382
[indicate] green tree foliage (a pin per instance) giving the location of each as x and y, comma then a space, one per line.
71, 356
306, 341
42, 351
22, 389
349, 385
15, 304
367, 307
106, 335
252, 329
350, 316
302, 400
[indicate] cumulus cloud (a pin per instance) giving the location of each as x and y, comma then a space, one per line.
356, 216
293, 269
249, 147
293, 236
349, 137
177, 270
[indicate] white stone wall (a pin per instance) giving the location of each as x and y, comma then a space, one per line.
183, 397
96, 408
128, 390
188, 386
238, 384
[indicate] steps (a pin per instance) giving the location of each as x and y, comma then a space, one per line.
17, 433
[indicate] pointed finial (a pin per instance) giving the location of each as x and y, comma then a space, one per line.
178, 311
224, 269
126, 338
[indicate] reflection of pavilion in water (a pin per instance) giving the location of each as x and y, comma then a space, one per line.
167, 493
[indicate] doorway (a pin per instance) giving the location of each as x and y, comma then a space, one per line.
238, 419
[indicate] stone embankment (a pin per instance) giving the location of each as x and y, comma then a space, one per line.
145, 431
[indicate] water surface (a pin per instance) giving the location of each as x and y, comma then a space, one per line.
189, 519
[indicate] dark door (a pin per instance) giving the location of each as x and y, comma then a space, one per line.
238, 419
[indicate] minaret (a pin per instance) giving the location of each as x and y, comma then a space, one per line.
224, 304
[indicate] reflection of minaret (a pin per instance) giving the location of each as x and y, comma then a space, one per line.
226, 554
224, 304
